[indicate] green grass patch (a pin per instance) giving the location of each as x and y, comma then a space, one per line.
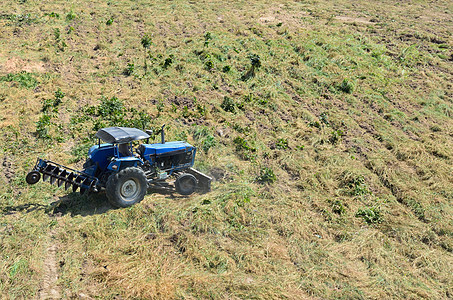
24, 79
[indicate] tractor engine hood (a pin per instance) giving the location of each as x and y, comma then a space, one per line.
169, 148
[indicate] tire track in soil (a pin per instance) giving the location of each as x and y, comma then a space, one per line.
50, 289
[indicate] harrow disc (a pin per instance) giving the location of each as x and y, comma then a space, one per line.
61, 174
33, 177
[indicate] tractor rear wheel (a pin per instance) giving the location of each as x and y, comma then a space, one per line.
127, 187
186, 184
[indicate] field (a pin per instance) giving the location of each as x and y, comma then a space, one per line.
327, 125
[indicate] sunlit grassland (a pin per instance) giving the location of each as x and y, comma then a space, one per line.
328, 126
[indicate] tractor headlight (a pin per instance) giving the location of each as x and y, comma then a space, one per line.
114, 167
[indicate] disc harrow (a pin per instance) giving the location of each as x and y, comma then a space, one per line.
59, 174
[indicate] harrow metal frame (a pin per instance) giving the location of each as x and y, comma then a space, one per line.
57, 172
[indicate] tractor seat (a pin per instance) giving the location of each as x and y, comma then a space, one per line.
139, 151
124, 150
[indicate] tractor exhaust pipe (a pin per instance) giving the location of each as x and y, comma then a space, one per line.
162, 135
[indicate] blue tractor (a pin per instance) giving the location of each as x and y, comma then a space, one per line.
124, 175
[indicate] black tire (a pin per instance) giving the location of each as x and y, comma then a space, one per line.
33, 177
186, 184
127, 187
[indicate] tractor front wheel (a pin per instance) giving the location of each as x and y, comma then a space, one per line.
127, 187
186, 184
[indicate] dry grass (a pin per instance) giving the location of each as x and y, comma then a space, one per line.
351, 109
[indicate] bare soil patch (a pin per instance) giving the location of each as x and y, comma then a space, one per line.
16, 65
353, 20
7, 169
278, 15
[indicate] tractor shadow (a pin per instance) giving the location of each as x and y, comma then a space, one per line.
73, 204
23, 208
82, 205
76, 204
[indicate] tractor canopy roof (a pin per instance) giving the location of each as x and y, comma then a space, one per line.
121, 135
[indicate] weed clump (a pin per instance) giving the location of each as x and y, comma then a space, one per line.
168, 62
80, 150
315, 124
146, 41
416, 208
53, 104
243, 148
42, 127
241, 129
58, 96
129, 69
112, 112
346, 86
49, 109
228, 105
207, 59
59, 42
266, 176
23, 78
338, 207
205, 138
324, 118
109, 107
410, 56
282, 144
53, 15
209, 64
20, 19
354, 185
70, 16
207, 38
255, 65
371, 215
335, 136
241, 144
208, 143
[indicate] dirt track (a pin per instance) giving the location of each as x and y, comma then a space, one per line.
50, 289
